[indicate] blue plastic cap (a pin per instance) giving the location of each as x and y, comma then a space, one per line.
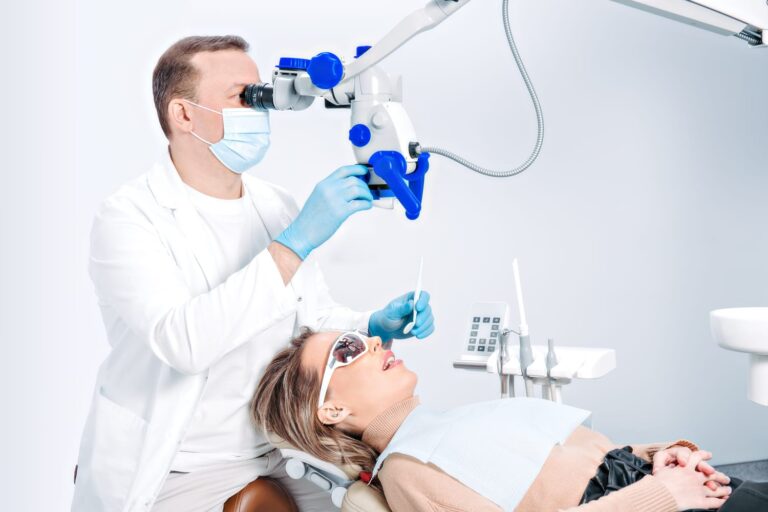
361, 50
360, 135
326, 70
293, 63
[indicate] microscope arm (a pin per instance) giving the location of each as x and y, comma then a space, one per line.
426, 18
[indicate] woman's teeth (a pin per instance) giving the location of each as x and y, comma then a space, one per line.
389, 361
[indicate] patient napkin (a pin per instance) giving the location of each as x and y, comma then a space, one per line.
496, 448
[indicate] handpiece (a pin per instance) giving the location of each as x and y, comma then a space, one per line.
526, 353
551, 362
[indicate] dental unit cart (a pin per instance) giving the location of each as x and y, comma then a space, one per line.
488, 347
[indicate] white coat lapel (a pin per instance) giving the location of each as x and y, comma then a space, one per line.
168, 189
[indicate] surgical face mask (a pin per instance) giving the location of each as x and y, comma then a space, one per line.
246, 137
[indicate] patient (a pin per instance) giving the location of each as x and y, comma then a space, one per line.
349, 413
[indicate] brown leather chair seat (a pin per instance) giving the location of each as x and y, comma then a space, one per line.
261, 495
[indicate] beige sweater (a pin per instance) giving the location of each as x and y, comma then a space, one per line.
412, 486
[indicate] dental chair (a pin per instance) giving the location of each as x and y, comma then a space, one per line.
342, 483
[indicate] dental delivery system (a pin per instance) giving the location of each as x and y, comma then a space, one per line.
536, 364
382, 135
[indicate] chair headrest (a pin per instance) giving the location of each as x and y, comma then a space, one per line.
349, 472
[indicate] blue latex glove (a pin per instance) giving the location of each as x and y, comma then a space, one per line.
332, 201
388, 323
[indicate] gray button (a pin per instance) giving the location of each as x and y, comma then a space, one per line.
471, 348
473, 333
492, 341
494, 327
475, 326
482, 341
494, 334
496, 320
491, 349
299, 299
472, 341
481, 349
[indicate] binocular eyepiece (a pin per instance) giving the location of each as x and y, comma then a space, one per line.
258, 96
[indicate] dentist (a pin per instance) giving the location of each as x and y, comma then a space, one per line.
202, 273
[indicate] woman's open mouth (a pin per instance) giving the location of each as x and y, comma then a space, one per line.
390, 361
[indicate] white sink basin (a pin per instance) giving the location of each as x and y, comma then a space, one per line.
746, 330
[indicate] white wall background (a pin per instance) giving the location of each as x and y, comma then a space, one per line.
645, 211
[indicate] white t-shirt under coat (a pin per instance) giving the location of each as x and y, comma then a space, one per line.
220, 429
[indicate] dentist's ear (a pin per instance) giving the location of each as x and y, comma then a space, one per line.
332, 413
178, 115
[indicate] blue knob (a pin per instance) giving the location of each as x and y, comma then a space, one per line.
293, 63
360, 135
325, 70
361, 50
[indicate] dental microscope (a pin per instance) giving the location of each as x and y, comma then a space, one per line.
382, 135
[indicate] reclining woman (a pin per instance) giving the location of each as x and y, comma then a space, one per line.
343, 398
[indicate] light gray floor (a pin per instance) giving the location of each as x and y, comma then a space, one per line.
756, 470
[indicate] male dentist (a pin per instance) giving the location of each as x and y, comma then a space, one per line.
202, 274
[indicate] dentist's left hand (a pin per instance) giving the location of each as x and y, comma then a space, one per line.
388, 323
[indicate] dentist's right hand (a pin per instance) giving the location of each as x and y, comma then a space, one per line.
332, 202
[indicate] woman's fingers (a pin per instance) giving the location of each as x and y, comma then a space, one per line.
696, 458
706, 468
720, 492
719, 478
683, 455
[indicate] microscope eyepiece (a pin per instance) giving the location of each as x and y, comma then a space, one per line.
258, 96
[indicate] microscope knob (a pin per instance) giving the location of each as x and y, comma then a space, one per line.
325, 70
379, 120
360, 135
293, 63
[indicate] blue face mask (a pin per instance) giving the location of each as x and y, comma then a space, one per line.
246, 137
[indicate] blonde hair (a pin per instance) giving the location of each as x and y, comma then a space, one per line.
285, 403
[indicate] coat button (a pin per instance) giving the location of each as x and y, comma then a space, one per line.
299, 299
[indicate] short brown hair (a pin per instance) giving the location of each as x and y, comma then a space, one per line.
174, 76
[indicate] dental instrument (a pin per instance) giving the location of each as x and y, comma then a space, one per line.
416, 295
551, 362
526, 354
507, 381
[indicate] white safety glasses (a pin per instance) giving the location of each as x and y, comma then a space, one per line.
345, 350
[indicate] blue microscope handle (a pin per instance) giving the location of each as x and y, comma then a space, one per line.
391, 166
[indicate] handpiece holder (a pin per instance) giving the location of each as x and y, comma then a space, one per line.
572, 363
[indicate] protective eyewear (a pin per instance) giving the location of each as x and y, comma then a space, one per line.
347, 349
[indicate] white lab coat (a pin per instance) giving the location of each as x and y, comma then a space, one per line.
167, 325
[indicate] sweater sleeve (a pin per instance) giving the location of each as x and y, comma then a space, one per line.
411, 486
647, 451
645, 495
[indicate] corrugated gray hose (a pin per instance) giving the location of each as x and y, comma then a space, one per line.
539, 117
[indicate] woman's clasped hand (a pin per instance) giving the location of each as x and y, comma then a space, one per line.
692, 481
